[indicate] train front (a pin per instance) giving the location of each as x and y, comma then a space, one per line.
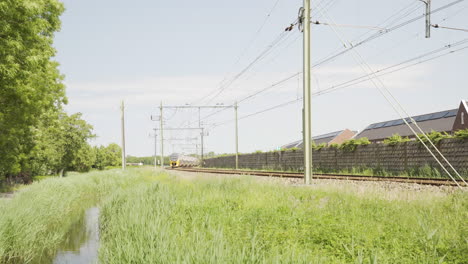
174, 160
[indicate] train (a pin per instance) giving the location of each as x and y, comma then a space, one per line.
181, 160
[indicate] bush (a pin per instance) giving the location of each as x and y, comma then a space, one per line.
290, 149
462, 134
320, 146
434, 136
351, 145
395, 139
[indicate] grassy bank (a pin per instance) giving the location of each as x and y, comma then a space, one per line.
241, 221
160, 219
35, 222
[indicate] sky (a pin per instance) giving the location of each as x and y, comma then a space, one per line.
211, 52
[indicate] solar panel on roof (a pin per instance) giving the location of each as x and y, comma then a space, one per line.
451, 113
332, 134
424, 118
388, 124
438, 115
398, 122
379, 125
394, 122
371, 126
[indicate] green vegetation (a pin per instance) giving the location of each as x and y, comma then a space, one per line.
462, 134
351, 145
29, 79
395, 139
319, 146
241, 221
434, 136
160, 219
35, 222
37, 137
423, 172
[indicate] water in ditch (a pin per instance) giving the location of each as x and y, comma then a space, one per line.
82, 242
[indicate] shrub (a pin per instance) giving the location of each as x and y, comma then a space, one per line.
434, 136
351, 145
320, 146
395, 139
462, 134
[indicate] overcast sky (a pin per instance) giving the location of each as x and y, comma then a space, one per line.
178, 52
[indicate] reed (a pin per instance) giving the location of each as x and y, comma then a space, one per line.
242, 221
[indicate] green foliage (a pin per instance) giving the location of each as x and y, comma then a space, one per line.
320, 146
30, 83
107, 156
395, 139
61, 144
462, 134
258, 151
291, 149
434, 136
351, 145
334, 145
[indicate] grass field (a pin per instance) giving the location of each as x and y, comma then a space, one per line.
157, 218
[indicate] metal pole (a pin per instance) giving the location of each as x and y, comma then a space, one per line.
201, 160
155, 148
122, 108
201, 137
237, 136
162, 136
428, 18
307, 96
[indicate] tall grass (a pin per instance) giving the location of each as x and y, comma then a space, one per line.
148, 219
35, 222
241, 221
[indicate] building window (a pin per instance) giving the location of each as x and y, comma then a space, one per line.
463, 118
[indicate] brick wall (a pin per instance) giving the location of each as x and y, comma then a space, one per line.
404, 157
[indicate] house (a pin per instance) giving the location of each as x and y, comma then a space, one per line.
329, 138
447, 121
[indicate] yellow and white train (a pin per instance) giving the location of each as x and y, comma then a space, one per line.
181, 160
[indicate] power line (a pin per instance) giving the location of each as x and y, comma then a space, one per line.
347, 25
381, 33
452, 28
364, 77
359, 79
250, 43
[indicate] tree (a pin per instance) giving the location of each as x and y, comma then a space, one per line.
61, 143
30, 83
107, 156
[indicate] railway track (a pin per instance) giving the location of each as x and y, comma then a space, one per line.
424, 181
